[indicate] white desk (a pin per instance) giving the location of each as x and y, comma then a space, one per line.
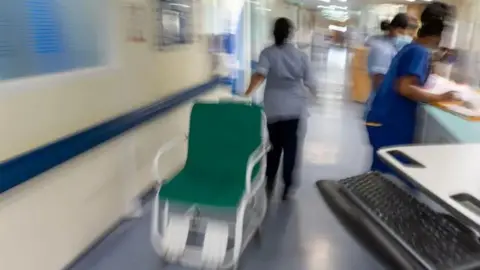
449, 170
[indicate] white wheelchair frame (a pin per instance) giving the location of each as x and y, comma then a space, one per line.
169, 233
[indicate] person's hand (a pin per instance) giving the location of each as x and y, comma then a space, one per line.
439, 55
242, 98
449, 56
449, 97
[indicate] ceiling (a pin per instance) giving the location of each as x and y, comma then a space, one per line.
352, 4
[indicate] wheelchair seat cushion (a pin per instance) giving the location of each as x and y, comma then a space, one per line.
215, 190
222, 138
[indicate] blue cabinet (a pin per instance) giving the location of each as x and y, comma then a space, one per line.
431, 131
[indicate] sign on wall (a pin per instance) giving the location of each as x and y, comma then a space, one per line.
174, 22
136, 22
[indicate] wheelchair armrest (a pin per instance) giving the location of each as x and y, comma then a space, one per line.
253, 160
170, 145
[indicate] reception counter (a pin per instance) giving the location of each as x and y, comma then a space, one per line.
361, 85
436, 126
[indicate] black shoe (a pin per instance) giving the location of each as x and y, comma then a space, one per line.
269, 193
286, 196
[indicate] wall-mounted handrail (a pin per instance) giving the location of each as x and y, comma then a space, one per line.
24, 167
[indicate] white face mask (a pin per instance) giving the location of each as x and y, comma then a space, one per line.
401, 41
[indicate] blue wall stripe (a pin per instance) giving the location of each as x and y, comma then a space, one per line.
20, 169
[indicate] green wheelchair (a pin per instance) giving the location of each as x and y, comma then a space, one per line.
205, 215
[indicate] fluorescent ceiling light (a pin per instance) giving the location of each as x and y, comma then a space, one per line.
179, 5
326, 1
333, 7
338, 7
342, 1
410, 0
337, 28
335, 14
264, 9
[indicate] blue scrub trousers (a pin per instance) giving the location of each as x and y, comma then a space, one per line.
386, 136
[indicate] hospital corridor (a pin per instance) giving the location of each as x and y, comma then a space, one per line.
300, 234
145, 135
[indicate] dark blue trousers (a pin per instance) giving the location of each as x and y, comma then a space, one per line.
387, 136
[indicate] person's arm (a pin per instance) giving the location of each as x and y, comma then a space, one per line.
379, 60
408, 86
256, 80
260, 74
414, 65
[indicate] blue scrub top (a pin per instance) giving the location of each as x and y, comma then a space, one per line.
391, 109
382, 51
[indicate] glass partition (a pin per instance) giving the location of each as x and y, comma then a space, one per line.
371, 16
261, 16
467, 66
260, 20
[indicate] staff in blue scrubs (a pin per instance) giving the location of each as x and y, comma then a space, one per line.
391, 119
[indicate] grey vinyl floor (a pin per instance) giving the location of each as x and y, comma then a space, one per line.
298, 235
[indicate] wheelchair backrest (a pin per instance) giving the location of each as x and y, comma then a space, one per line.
222, 137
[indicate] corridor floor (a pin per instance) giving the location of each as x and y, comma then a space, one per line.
298, 235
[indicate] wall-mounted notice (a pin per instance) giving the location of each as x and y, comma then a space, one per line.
136, 19
174, 22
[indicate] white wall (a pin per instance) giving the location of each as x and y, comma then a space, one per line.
48, 221
53, 106
307, 22
282, 9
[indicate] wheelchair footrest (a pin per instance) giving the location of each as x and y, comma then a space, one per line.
215, 244
175, 239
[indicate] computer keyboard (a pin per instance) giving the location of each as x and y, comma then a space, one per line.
435, 239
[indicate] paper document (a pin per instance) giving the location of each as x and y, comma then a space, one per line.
439, 85
470, 105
